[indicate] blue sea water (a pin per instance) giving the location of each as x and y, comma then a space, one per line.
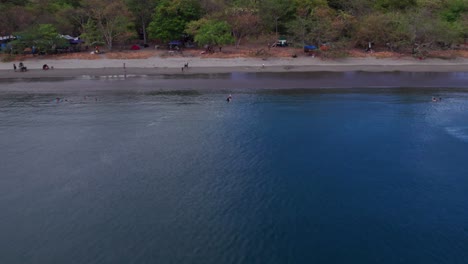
283, 176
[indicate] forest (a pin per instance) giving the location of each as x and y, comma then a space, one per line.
395, 25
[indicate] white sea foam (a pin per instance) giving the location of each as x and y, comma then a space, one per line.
460, 133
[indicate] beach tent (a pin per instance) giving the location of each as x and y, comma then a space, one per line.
72, 40
6, 38
308, 48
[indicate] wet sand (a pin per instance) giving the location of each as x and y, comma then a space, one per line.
168, 74
239, 82
174, 66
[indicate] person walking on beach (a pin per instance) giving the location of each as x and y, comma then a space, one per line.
14, 67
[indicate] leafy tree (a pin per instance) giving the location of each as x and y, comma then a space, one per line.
43, 37
322, 25
389, 29
454, 10
355, 8
14, 2
391, 5
90, 33
274, 10
426, 29
171, 17
111, 17
210, 32
433, 5
211, 7
142, 12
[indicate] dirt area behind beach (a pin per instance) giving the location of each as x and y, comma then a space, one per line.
245, 51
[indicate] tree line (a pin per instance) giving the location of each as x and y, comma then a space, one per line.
397, 25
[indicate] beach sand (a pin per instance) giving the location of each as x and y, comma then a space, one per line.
69, 68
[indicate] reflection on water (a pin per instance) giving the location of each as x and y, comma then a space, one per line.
283, 176
272, 80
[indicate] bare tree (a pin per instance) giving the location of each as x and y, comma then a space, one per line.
111, 17
243, 21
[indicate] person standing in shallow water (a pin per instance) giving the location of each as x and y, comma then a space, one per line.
229, 98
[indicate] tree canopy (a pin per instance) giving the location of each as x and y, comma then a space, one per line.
392, 24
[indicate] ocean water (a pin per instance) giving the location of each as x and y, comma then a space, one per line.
275, 176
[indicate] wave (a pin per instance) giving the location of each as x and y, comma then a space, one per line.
460, 133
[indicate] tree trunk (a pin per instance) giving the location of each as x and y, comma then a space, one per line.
276, 26
238, 42
145, 41
109, 42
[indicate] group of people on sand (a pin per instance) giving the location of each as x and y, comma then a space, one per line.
185, 67
23, 68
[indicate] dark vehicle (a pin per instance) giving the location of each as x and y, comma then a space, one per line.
175, 45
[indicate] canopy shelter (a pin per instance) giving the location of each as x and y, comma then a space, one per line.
72, 40
7, 38
308, 48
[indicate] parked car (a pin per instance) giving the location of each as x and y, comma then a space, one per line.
175, 45
281, 43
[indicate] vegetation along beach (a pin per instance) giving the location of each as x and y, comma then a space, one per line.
232, 35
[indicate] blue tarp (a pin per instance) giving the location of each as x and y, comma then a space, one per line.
310, 47
175, 43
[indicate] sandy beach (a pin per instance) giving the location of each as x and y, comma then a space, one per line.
65, 68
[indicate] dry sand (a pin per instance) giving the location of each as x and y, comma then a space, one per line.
173, 65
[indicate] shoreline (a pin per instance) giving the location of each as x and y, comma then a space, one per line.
173, 66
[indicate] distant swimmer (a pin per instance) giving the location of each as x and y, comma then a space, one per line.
229, 98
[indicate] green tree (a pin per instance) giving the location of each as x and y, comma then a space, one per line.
272, 11
428, 30
356, 8
389, 29
90, 34
210, 32
142, 12
44, 37
454, 10
211, 7
322, 25
392, 5
171, 17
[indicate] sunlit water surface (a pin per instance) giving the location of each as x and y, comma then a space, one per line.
342, 176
